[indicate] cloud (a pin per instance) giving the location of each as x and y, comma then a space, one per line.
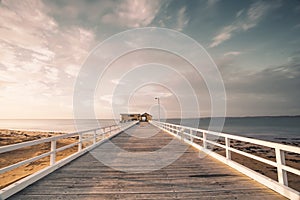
296, 26
182, 20
31, 39
36, 51
72, 70
224, 35
133, 13
117, 82
239, 13
211, 3
271, 90
232, 53
244, 21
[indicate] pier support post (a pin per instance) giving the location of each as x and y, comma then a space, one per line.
280, 159
53, 152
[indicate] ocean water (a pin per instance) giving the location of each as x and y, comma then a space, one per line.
267, 128
54, 125
276, 129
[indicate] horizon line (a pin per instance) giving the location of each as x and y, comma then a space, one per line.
246, 116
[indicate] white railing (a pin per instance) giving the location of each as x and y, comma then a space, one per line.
94, 136
188, 135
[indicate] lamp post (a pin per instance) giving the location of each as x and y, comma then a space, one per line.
158, 102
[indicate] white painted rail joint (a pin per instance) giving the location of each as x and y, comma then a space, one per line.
280, 160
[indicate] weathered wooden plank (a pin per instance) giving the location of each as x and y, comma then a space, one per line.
189, 177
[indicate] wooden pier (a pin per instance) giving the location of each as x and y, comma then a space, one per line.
189, 177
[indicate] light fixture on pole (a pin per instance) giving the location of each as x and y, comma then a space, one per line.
158, 102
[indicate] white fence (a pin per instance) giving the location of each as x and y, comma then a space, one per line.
189, 134
94, 136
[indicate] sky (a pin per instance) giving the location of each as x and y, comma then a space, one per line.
44, 44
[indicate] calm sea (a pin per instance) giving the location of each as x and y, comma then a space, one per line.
276, 129
54, 125
267, 128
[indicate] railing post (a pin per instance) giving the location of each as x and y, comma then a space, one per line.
280, 159
53, 152
110, 130
191, 135
228, 152
80, 142
181, 132
95, 137
204, 140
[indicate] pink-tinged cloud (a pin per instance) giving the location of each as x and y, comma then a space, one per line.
133, 13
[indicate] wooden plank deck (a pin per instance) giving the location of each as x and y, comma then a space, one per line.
189, 177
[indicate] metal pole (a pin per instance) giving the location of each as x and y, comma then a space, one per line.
158, 102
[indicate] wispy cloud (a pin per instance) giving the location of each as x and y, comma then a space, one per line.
244, 21
118, 82
224, 35
182, 20
239, 13
211, 3
296, 26
133, 13
233, 53
258, 91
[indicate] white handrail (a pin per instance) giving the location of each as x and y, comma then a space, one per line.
19, 185
281, 186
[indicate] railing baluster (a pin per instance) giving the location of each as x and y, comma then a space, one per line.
103, 134
191, 135
204, 140
181, 130
80, 142
95, 138
228, 152
280, 159
53, 154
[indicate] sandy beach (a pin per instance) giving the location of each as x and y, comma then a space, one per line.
8, 137
13, 136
